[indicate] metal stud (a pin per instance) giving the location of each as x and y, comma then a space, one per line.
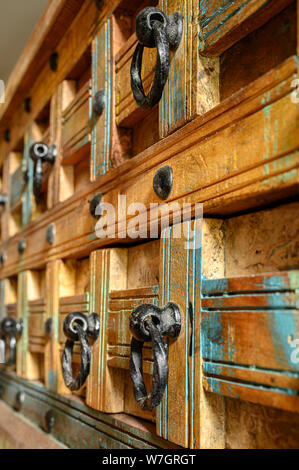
50, 234
53, 61
22, 246
49, 421
95, 206
20, 398
163, 181
98, 104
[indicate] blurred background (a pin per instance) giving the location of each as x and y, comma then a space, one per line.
17, 21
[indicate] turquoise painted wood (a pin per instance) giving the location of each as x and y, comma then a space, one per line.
250, 338
101, 80
177, 416
75, 424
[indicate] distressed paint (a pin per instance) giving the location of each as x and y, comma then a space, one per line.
101, 80
192, 87
180, 283
247, 327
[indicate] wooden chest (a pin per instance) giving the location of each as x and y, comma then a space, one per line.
149, 263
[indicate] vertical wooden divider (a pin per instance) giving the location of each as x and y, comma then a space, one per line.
55, 138
180, 260
5, 212
52, 311
192, 87
102, 80
105, 384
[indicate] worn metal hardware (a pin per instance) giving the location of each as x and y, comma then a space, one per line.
150, 323
95, 206
2, 351
10, 330
2, 258
41, 153
20, 399
98, 102
49, 421
3, 199
7, 135
154, 29
27, 104
53, 61
22, 246
78, 327
49, 328
50, 233
163, 182
99, 3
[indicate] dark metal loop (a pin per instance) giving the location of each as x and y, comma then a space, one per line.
40, 153
71, 382
149, 401
150, 323
71, 324
78, 327
10, 329
154, 29
161, 72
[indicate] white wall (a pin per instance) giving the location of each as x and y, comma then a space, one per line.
17, 21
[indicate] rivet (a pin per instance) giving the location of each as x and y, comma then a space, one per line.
163, 181
50, 234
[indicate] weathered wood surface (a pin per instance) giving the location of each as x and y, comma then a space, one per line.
225, 134
17, 433
223, 23
78, 426
248, 325
70, 49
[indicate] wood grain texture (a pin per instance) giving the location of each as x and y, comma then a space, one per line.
247, 328
247, 171
70, 49
192, 87
102, 80
223, 23
77, 425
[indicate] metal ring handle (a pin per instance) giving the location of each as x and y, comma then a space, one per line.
10, 328
12, 345
39, 153
149, 401
161, 73
71, 382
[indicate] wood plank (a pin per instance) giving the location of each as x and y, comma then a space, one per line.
192, 87
49, 30
177, 417
102, 80
270, 174
222, 23
70, 48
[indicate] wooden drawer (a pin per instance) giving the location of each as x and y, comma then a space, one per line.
249, 318
75, 124
125, 278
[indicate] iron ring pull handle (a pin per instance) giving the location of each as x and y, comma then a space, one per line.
154, 29
78, 327
40, 153
151, 323
11, 329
